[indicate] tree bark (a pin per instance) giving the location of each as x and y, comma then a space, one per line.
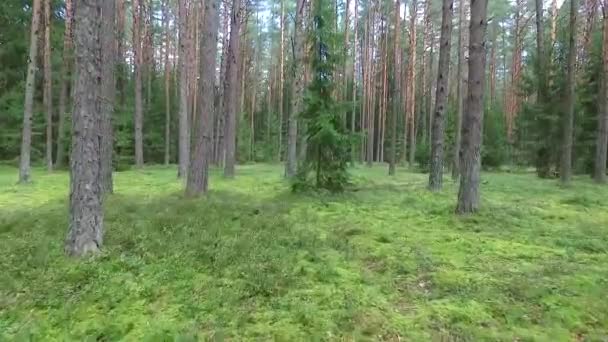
543, 155
108, 84
120, 59
601, 148
167, 85
354, 101
184, 126
137, 56
461, 87
281, 78
85, 233
297, 91
566, 159
396, 100
411, 84
26, 135
65, 82
230, 88
48, 86
198, 177
443, 72
468, 193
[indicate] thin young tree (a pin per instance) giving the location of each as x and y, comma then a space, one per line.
198, 177
543, 158
438, 122
85, 234
48, 86
568, 125
601, 148
411, 83
470, 152
26, 135
137, 63
230, 88
66, 73
108, 84
297, 90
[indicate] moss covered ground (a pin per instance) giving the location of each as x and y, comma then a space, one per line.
252, 261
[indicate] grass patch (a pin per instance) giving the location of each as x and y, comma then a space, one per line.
386, 261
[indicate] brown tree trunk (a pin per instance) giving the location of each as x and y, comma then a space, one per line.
183, 122
601, 148
108, 85
443, 72
566, 159
120, 54
137, 61
461, 86
65, 82
354, 101
281, 79
513, 99
167, 85
26, 135
543, 153
230, 88
472, 125
48, 86
85, 234
411, 86
396, 100
198, 177
297, 91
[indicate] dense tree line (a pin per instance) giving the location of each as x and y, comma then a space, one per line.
316, 84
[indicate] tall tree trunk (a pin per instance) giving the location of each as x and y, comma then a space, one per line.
513, 98
543, 153
460, 88
601, 148
443, 72
120, 54
554, 13
281, 78
85, 234
566, 159
396, 100
297, 90
230, 88
198, 177
65, 82
492, 67
472, 125
167, 85
26, 135
411, 85
108, 85
137, 57
48, 86
183, 122
354, 101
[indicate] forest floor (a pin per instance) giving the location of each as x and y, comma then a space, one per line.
388, 261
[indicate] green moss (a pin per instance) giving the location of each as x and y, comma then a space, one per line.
252, 261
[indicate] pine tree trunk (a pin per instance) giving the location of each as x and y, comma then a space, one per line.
566, 159
472, 125
183, 122
354, 101
167, 85
601, 148
543, 152
65, 82
460, 88
443, 72
281, 78
120, 54
411, 85
108, 85
26, 136
48, 86
297, 91
230, 88
137, 57
396, 100
198, 176
85, 233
